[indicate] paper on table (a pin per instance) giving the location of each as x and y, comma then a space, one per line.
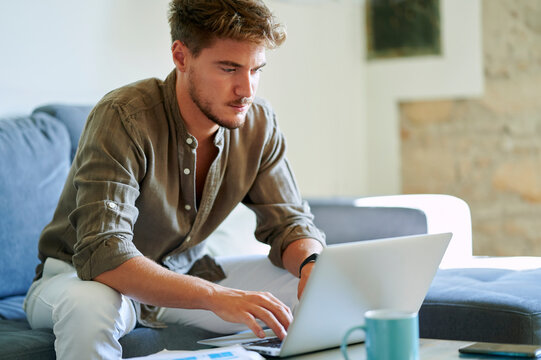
224, 353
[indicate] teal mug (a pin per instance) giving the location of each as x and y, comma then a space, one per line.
390, 335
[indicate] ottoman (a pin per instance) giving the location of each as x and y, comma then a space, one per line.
489, 305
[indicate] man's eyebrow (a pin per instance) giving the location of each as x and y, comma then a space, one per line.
228, 63
236, 65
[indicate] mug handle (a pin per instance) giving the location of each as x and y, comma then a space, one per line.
344, 345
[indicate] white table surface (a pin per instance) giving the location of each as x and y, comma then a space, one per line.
428, 350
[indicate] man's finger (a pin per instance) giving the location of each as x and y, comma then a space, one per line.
252, 324
270, 320
281, 311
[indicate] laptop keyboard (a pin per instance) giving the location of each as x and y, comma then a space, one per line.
273, 342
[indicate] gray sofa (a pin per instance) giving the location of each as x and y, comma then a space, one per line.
36, 151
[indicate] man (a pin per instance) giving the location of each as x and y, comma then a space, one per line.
159, 165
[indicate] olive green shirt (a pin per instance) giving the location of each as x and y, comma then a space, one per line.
131, 187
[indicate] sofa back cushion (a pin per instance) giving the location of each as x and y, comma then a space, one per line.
342, 221
34, 162
72, 116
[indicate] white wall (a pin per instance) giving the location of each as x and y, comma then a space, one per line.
315, 82
339, 112
458, 73
76, 51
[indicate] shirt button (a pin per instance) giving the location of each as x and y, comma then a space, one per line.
188, 238
187, 207
187, 171
189, 141
111, 205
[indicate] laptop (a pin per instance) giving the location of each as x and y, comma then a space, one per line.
348, 280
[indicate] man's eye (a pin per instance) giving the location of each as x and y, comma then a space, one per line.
228, 70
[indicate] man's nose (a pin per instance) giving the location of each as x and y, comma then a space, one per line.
246, 85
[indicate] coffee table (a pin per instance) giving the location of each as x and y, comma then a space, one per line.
429, 349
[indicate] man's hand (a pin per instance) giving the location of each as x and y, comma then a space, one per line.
247, 306
150, 283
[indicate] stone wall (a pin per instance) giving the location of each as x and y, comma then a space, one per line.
487, 151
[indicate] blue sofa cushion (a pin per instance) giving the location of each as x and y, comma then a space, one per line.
11, 308
35, 162
490, 305
73, 117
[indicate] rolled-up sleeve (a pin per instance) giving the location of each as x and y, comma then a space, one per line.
108, 167
282, 216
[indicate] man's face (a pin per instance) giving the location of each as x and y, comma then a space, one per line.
223, 80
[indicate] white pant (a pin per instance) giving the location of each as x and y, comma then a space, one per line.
88, 317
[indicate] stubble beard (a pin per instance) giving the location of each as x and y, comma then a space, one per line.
205, 106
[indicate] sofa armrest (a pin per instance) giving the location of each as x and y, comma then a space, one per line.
352, 219
444, 213
339, 218
342, 220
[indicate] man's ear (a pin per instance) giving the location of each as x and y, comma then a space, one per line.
180, 54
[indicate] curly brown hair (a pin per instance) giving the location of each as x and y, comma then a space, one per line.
197, 23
